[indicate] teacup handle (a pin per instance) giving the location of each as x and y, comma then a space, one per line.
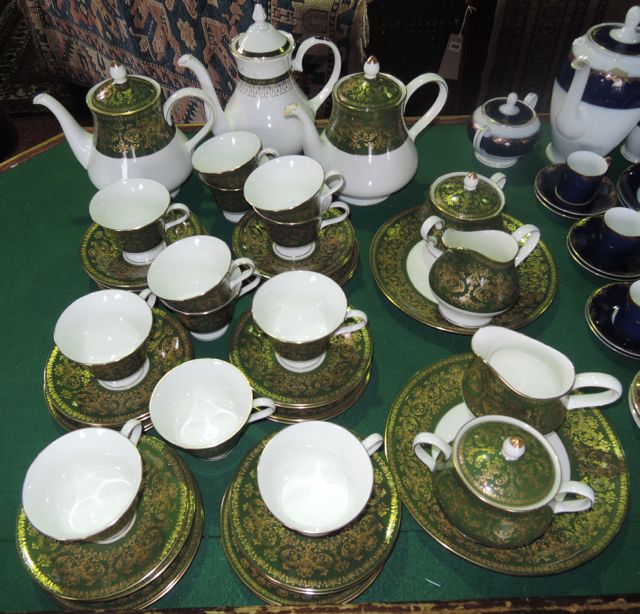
427, 226
250, 285
339, 218
585, 498
186, 212
266, 154
249, 270
352, 328
372, 443
147, 295
268, 407
430, 439
132, 430
479, 135
530, 234
211, 116
594, 399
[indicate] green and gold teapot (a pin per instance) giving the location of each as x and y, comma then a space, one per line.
500, 482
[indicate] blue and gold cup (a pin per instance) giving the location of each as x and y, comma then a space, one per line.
617, 240
581, 178
627, 318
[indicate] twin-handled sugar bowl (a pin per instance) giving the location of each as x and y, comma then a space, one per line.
500, 481
503, 130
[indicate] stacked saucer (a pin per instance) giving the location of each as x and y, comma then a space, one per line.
282, 566
139, 568
75, 398
102, 259
320, 394
336, 251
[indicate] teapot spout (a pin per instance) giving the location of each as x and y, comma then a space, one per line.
569, 120
80, 141
311, 143
197, 67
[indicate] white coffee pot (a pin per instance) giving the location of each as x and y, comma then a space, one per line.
595, 101
265, 85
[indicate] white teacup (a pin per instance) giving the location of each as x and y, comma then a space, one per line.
133, 211
316, 477
291, 188
83, 486
196, 274
106, 332
300, 311
204, 405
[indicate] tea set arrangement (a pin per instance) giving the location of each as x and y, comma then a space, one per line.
484, 449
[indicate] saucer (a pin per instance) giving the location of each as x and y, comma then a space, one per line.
102, 259
634, 399
160, 586
311, 565
87, 571
336, 253
571, 540
545, 189
396, 248
628, 186
260, 584
82, 401
318, 394
578, 242
600, 312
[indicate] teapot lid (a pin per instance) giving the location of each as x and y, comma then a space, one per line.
261, 39
509, 111
506, 463
123, 94
466, 196
618, 38
370, 89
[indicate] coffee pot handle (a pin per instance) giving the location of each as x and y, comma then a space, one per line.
612, 392
195, 93
296, 64
527, 237
585, 498
435, 108
433, 440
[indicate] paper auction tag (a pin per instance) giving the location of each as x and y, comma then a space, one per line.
450, 63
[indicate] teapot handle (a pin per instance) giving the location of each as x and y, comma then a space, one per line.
436, 107
296, 64
196, 93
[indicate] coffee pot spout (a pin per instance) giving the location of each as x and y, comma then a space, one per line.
80, 141
570, 122
194, 65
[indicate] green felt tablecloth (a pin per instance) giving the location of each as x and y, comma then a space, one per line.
45, 214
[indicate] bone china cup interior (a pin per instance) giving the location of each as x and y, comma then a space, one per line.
105, 331
203, 406
225, 153
82, 483
315, 477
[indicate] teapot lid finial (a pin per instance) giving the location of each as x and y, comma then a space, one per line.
510, 107
628, 33
118, 72
371, 67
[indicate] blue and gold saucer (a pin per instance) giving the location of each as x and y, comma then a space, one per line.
600, 312
545, 189
579, 241
628, 186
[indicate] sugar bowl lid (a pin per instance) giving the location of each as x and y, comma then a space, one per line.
510, 111
506, 463
468, 196
261, 39
123, 94
370, 89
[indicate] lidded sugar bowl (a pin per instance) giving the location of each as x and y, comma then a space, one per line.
468, 201
500, 482
503, 130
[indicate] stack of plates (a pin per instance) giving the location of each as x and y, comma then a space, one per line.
320, 394
335, 255
139, 568
281, 566
75, 398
